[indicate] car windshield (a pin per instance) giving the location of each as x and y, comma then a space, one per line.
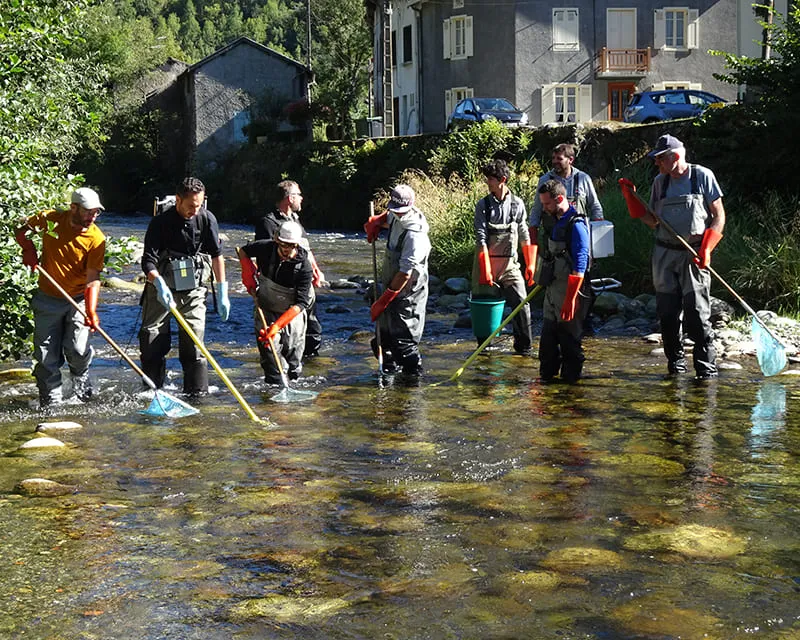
493, 104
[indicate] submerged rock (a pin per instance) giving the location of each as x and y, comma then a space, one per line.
457, 285
122, 285
693, 540
64, 425
42, 488
577, 558
651, 617
41, 443
15, 374
539, 581
288, 609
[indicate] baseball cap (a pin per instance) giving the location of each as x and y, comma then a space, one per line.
290, 233
665, 143
401, 199
87, 198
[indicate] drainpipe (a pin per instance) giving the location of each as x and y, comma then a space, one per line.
420, 113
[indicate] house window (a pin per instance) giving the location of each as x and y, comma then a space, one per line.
677, 28
453, 96
565, 103
407, 46
457, 37
458, 4
565, 30
394, 48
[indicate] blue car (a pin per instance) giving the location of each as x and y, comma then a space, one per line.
472, 110
654, 106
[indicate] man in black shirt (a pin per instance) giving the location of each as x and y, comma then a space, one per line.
288, 204
174, 268
284, 293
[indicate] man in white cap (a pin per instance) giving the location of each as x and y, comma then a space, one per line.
400, 310
73, 254
688, 198
282, 284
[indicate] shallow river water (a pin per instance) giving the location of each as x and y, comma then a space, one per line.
632, 505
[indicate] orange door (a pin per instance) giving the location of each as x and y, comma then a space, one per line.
618, 95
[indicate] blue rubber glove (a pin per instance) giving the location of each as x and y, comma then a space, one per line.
163, 293
223, 301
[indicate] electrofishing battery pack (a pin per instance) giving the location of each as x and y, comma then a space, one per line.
183, 275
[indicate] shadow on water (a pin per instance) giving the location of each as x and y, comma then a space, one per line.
633, 505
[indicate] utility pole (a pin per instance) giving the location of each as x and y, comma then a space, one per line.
388, 94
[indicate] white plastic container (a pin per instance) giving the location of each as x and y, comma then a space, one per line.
601, 233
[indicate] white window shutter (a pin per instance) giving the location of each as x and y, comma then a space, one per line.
660, 30
548, 104
468, 36
696, 86
448, 104
572, 29
585, 103
693, 30
446, 39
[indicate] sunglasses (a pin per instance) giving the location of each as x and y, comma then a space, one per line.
286, 245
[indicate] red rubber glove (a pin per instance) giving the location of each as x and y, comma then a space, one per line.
90, 298
285, 318
570, 300
249, 279
374, 225
636, 208
379, 306
711, 239
530, 252
485, 267
29, 257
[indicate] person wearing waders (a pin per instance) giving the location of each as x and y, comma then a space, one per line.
73, 254
173, 264
400, 310
500, 227
288, 204
688, 198
581, 195
282, 284
565, 260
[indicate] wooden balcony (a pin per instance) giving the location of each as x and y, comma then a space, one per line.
623, 63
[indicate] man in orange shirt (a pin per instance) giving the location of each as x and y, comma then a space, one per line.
73, 253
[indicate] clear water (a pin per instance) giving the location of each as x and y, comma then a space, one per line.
630, 506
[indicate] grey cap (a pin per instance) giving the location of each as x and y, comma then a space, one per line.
665, 143
87, 198
290, 233
401, 199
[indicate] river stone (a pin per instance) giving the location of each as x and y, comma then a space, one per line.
65, 425
576, 558
288, 609
457, 285
42, 488
41, 443
645, 464
15, 374
338, 308
122, 285
653, 617
362, 336
447, 300
692, 540
464, 320
607, 302
361, 281
652, 338
617, 323
539, 581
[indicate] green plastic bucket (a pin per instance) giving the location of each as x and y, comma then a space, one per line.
487, 314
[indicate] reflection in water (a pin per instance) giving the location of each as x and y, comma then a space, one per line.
769, 415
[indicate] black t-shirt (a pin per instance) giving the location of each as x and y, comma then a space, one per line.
295, 273
267, 226
170, 233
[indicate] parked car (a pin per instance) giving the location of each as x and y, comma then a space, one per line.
654, 106
472, 110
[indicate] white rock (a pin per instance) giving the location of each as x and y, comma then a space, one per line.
654, 338
729, 365
657, 352
66, 425
40, 443
41, 487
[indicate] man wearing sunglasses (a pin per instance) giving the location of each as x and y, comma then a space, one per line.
288, 204
282, 284
73, 253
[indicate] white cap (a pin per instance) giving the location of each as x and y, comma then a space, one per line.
87, 198
290, 233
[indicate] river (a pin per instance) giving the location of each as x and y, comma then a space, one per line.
632, 505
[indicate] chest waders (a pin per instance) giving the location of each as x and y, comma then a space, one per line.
274, 299
403, 322
681, 286
560, 348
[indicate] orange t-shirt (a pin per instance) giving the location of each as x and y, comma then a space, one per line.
69, 253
